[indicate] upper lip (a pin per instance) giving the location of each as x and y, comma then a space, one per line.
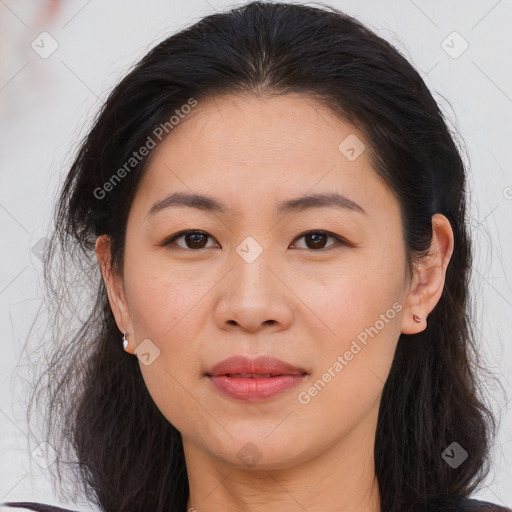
262, 365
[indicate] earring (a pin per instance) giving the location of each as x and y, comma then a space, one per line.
416, 318
125, 342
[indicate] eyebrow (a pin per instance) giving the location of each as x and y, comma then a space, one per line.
208, 203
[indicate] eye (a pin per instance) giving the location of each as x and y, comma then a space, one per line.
316, 239
194, 239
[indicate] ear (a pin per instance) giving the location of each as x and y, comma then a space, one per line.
114, 284
429, 277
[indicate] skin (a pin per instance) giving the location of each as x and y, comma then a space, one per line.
301, 304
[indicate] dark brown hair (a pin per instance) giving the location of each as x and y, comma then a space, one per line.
100, 416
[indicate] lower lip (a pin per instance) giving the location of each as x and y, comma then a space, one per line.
254, 389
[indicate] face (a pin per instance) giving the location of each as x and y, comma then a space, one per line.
319, 285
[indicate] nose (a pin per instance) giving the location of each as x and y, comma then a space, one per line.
254, 296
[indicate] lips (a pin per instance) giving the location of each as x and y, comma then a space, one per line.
261, 367
254, 379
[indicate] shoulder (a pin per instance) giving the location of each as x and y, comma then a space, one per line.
22, 506
463, 504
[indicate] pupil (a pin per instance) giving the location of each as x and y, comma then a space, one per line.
195, 238
317, 241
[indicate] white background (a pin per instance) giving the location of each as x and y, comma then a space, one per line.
46, 105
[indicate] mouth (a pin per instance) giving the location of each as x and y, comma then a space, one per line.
254, 379
254, 375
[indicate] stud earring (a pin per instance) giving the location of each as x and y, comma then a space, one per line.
416, 318
125, 342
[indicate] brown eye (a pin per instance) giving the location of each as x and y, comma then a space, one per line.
193, 239
316, 240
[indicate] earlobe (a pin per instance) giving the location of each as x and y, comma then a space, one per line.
429, 277
113, 283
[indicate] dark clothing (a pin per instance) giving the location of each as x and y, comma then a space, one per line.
452, 504
39, 507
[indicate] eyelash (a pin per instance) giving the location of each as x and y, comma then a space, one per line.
171, 240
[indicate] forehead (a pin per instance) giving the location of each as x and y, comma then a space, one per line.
263, 125
256, 149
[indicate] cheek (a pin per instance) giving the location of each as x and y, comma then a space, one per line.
161, 296
352, 295
360, 307
165, 308
353, 361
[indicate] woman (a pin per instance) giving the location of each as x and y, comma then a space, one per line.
278, 212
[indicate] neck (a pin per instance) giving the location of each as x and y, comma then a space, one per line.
340, 479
